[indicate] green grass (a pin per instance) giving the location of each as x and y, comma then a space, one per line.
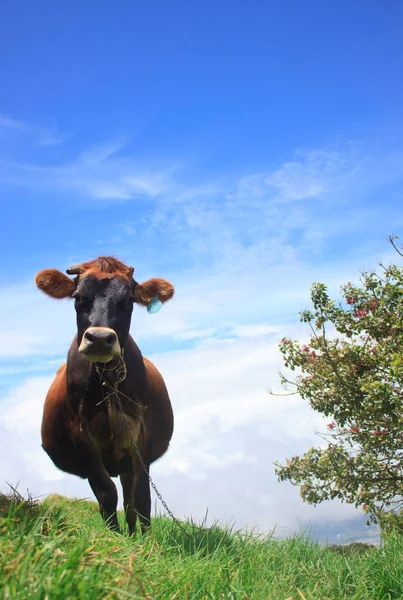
61, 549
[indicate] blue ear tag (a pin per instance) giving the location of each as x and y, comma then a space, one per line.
154, 306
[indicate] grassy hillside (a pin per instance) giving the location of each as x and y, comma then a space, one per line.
60, 549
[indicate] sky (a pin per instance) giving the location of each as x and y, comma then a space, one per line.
242, 150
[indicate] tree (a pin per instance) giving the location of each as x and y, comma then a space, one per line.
351, 371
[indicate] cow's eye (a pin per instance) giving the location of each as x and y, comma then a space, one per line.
81, 301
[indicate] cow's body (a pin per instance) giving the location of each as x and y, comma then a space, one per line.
99, 416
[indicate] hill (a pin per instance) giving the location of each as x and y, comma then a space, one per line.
60, 549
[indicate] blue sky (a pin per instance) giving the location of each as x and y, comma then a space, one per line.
240, 149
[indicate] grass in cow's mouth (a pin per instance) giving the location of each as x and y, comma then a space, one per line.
60, 548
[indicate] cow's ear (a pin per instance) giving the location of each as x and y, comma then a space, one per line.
145, 293
55, 284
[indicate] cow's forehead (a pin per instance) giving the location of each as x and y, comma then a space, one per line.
101, 285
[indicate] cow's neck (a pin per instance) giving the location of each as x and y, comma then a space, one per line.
89, 383
112, 374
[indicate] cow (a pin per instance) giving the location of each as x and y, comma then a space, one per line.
107, 412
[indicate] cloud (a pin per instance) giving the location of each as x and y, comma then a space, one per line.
311, 176
280, 214
108, 172
248, 294
20, 411
32, 320
99, 173
44, 136
20, 421
49, 138
325, 175
10, 123
285, 196
228, 433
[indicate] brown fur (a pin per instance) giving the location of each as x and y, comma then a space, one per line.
55, 284
106, 267
145, 292
56, 393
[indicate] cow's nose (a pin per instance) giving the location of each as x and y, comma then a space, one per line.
100, 344
101, 336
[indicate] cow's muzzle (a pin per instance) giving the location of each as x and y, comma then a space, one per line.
100, 344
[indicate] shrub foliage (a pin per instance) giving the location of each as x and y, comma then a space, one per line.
351, 371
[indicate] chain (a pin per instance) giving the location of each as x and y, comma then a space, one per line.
115, 392
142, 463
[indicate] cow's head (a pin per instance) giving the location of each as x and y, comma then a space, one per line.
104, 292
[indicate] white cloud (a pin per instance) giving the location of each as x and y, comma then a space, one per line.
255, 330
228, 433
193, 334
214, 217
21, 411
44, 136
100, 173
311, 175
10, 123
325, 175
36, 324
50, 138
314, 175
253, 296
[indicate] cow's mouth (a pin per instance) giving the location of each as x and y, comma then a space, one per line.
98, 358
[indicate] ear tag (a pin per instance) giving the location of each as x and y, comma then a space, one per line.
154, 306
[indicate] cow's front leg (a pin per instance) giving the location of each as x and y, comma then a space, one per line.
128, 481
107, 496
143, 498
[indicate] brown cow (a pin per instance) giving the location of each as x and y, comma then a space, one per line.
107, 398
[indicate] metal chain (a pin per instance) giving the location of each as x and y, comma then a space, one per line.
140, 459
115, 391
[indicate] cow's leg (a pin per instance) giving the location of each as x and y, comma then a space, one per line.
128, 481
107, 496
143, 499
